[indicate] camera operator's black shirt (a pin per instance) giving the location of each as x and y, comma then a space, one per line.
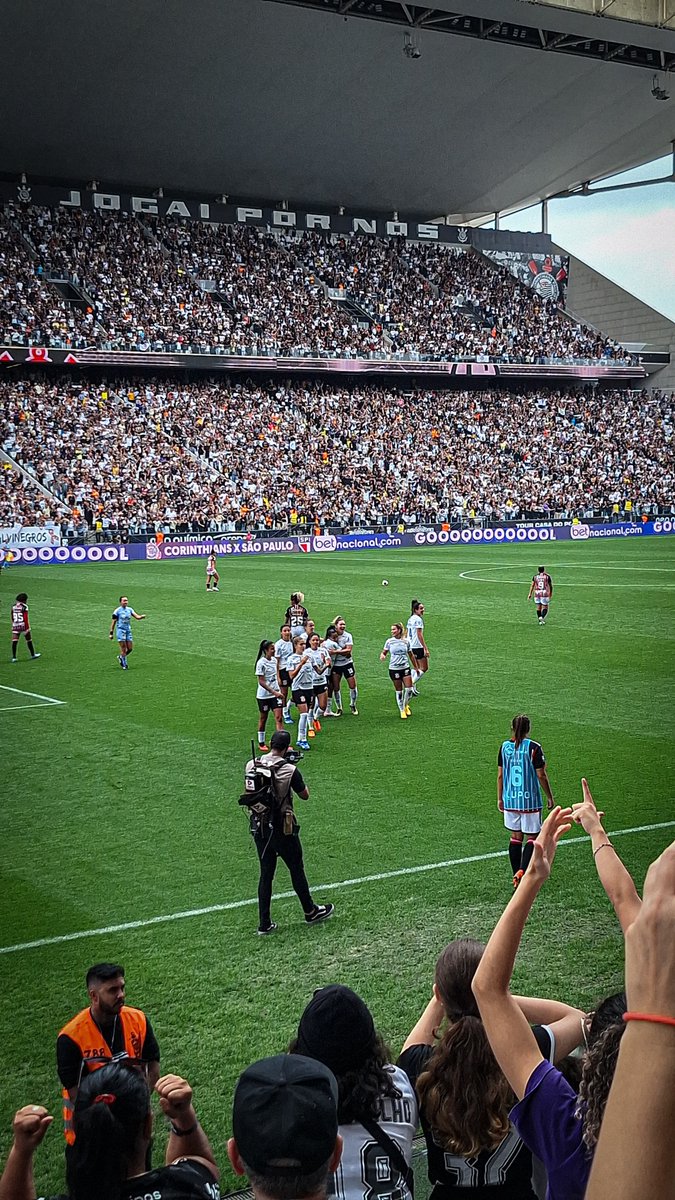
298, 784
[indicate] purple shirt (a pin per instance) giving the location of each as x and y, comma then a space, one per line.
546, 1122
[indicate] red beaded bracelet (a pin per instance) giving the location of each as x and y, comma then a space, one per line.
653, 1017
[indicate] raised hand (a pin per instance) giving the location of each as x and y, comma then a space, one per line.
30, 1126
650, 943
557, 823
586, 814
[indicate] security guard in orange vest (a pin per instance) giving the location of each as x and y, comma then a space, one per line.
108, 1030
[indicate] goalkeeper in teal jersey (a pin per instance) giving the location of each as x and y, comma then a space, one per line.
521, 777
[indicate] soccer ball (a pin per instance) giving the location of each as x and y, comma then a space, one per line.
385, 583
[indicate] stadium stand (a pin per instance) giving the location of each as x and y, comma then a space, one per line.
191, 287
225, 455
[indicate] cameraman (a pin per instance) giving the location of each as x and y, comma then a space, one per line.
276, 834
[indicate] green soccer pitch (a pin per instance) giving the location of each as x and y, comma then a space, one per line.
122, 837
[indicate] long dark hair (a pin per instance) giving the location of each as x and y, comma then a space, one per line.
464, 1120
262, 649
603, 1037
362, 1089
110, 1110
521, 727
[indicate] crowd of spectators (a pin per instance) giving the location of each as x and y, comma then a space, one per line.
164, 284
517, 1095
224, 454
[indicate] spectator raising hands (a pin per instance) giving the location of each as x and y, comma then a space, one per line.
612, 874
635, 1156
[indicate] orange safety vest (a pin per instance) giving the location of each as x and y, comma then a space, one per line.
96, 1052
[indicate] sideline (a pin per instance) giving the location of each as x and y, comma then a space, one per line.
324, 887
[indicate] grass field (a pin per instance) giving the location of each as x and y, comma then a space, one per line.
120, 802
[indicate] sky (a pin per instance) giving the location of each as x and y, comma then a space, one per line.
628, 236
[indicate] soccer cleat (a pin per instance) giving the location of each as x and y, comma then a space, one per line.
269, 929
288, 720
304, 745
311, 733
404, 715
407, 711
517, 878
217, 590
34, 656
353, 710
13, 661
321, 913
265, 749
317, 726
415, 692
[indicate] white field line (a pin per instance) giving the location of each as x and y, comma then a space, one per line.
19, 707
653, 586
324, 887
33, 695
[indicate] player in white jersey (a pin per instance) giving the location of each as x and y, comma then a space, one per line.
268, 693
377, 1108
418, 645
322, 663
301, 672
400, 656
282, 651
343, 665
212, 576
541, 589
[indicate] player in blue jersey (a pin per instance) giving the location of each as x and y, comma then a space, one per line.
521, 776
121, 626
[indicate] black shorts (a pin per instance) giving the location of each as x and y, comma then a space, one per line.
344, 670
269, 705
284, 677
320, 689
419, 653
303, 696
402, 673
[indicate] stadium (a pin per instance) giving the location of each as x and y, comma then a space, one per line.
273, 353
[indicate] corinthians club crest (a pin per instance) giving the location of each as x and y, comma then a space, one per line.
23, 194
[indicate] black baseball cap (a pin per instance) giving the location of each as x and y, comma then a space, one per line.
284, 1118
337, 1028
281, 740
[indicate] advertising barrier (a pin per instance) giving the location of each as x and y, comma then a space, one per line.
240, 545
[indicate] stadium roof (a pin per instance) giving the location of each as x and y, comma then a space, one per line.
275, 100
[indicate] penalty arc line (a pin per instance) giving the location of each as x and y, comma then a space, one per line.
324, 887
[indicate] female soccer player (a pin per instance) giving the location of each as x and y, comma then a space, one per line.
343, 666
283, 650
121, 623
330, 645
268, 693
321, 661
542, 590
212, 576
21, 625
398, 647
301, 672
296, 614
417, 643
521, 769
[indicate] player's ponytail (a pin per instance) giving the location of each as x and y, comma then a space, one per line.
521, 727
414, 605
262, 648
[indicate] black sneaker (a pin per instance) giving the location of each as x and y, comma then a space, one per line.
270, 929
321, 913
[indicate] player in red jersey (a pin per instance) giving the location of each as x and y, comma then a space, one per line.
542, 590
21, 625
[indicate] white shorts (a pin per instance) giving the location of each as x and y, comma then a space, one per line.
541, 598
211, 571
522, 822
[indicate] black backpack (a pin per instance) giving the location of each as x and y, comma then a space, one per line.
260, 794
